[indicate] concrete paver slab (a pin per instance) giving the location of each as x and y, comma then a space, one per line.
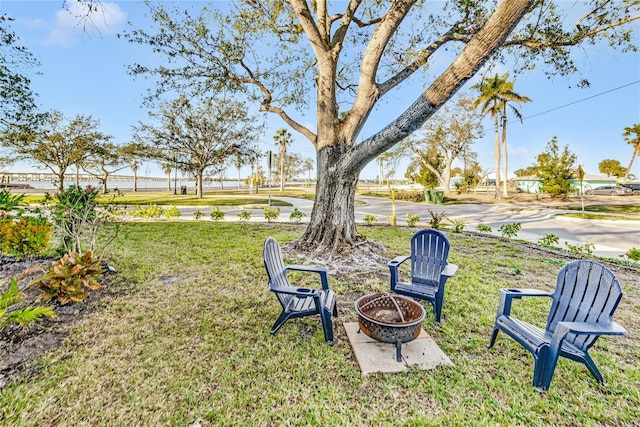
374, 356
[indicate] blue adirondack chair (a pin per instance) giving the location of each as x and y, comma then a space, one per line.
296, 301
429, 269
582, 306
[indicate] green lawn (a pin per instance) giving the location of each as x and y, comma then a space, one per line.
186, 341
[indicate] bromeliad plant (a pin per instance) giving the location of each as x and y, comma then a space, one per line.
71, 277
22, 316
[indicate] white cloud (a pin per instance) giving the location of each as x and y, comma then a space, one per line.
75, 21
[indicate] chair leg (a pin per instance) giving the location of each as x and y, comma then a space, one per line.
284, 316
494, 335
327, 325
588, 361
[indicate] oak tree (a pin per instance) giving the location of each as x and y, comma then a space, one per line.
346, 57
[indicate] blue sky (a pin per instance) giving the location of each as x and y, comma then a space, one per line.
84, 72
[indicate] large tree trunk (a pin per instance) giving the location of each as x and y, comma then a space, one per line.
340, 160
332, 225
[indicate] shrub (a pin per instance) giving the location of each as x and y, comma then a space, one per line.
458, 225
633, 254
71, 277
437, 218
198, 214
271, 214
245, 215
549, 240
583, 250
25, 236
411, 196
370, 219
412, 219
217, 214
9, 202
483, 228
77, 218
151, 211
172, 212
509, 230
297, 215
22, 316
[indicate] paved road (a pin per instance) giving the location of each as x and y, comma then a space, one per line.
611, 238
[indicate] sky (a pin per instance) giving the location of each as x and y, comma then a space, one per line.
84, 71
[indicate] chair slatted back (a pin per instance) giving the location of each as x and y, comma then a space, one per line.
429, 252
274, 265
586, 291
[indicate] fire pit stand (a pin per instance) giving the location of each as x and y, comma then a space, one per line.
390, 318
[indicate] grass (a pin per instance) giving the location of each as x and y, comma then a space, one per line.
187, 341
169, 199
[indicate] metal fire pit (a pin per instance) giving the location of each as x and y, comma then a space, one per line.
390, 318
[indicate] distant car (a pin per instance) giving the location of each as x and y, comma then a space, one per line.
635, 187
609, 190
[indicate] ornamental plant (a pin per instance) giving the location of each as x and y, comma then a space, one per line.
71, 278
22, 316
78, 218
25, 235
244, 215
437, 219
297, 215
217, 214
370, 219
271, 214
9, 202
172, 212
509, 230
412, 219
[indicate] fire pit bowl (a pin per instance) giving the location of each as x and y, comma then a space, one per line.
390, 318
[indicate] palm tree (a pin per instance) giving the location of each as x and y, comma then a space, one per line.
282, 138
632, 136
496, 94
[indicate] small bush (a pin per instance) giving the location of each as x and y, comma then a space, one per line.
172, 212
78, 218
370, 219
549, 240
458, 225
296, 215
633, 254
198, 214
151, 211
25, 236
9, 202
578, 249
245, 215
437, 218
411, 196
71, 277
483, 228
217, 214
412, 219
509, 230
271, 214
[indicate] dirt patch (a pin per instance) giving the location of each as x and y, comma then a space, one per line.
20, 347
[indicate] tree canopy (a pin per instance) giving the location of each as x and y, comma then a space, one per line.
197, 135
345, 57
